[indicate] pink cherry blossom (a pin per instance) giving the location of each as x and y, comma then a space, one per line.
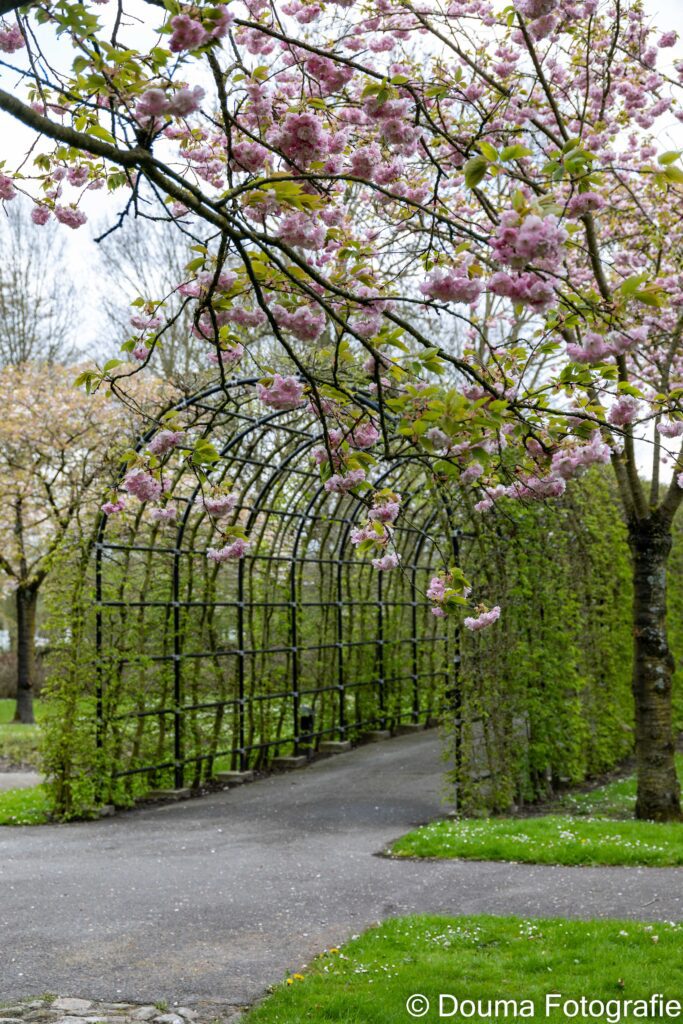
282, 393
11, 39
70, 216
237, 548
165, 441
623, 411
142, 485
451, 285
40, 215
483, 619
7, 189
164, 515
219, 505
672, 429
387, 562
340, 484
110, 508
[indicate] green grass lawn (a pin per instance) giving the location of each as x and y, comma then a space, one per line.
479, 958
589, 827
614, 800
23, 806
548, 839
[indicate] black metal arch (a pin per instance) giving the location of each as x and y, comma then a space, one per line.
202, 668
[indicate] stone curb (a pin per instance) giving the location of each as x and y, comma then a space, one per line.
73, 1010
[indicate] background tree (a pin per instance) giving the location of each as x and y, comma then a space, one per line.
352, 171
56, 457
37, 303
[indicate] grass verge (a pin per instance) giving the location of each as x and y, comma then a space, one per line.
588, 827
24, 806
480, 958
549, 839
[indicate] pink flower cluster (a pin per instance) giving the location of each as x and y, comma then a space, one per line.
526, 288
164, 515
387, 562
483, 619
229, 356
533, 9
452, 285
305, 323
385, 509
534, 239
70, 216
623, 411
110, 508
282, 393
156, 103
301, 230
340, 483
7, 189
165, 441
11, 39
583, 203
237, 548
301, 138
142, 485
364, 435
219, 505
672, 429
189, 34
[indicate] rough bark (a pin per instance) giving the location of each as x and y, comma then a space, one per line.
658, 796
26, 601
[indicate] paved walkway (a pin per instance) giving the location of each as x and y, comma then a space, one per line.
19, 780
214, 899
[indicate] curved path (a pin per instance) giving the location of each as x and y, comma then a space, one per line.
214, 899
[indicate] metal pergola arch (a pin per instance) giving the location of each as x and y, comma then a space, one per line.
202, 667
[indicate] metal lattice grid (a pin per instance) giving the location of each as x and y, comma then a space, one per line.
201, 667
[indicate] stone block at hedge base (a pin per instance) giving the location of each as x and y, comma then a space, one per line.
288, 763
408, 727
334, 746
234, 778
376, 735
168, 794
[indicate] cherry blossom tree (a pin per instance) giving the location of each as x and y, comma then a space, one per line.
57, 454
370, 181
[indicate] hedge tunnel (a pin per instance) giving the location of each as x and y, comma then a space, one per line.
203, 667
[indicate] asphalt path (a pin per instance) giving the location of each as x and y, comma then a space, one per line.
216, 898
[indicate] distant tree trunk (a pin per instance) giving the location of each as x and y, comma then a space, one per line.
653, 665
27, 599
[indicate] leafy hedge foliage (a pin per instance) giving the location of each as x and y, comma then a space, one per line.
540, 699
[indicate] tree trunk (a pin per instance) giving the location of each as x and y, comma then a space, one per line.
653, 664
27, 599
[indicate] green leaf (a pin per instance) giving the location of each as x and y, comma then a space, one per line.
475, 170
670, 157
674, 174
514, 152
101, 133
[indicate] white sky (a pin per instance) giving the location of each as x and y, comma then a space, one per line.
82, 251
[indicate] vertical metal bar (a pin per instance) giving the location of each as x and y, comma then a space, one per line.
179, 772
340, 649
456, 688
240, 668
294, 653
380, 650
99, 724
413, 638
